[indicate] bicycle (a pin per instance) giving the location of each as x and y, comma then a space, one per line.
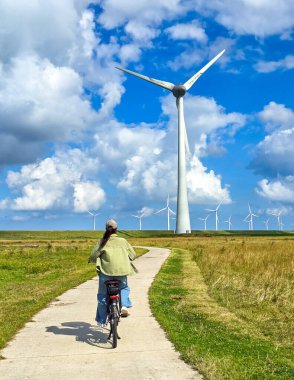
113, 309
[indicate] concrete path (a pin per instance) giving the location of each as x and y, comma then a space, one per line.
62, 341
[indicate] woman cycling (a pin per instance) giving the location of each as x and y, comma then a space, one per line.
113, 256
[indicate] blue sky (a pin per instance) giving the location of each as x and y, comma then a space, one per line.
76, 134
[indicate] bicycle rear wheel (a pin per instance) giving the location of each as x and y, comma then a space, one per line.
113, 324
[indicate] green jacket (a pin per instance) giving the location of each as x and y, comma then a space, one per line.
114, 259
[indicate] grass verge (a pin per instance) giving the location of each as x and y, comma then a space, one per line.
220, 341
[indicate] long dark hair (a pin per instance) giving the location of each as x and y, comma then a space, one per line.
108, 232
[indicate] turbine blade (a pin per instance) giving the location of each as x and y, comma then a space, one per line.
172, 211
219, 204
249, 208
193, 79
167, 85
160, 210
207, 209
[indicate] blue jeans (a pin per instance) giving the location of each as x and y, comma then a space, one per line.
101, 313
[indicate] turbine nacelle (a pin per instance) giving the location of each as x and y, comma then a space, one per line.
179, 91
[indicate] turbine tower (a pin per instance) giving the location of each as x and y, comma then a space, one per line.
250, 216
94, 219
168, 211
230, 223
204, 220
216, 216
179, 90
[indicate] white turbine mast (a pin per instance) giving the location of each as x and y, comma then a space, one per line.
168, 211
266, 223
205, 221
94, 219
249, 218
230, 223
216, 215
247, 221
179, 90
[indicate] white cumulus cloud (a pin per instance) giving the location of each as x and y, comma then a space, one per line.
286, 63
273, 155
261, 18
87, 196
276, 116
40, 102
52, 29
63, 181
186, 32
147, 12
277, 190
205, 186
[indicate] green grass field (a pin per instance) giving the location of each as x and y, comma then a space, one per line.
225, 300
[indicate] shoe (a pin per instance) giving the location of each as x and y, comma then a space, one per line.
101, 325
124, 312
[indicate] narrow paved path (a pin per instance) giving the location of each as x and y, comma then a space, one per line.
62, 341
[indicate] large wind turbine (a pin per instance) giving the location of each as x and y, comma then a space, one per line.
94, 219
216, 216
179, 90
168, 211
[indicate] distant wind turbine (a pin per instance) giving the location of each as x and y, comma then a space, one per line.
204, 220
266, 223
249, 218
247, 221
216, 215
168, 211
230, 223
94, 219
277, 214
179, 90
140, 219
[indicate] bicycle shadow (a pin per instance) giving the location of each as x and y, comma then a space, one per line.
84, 332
